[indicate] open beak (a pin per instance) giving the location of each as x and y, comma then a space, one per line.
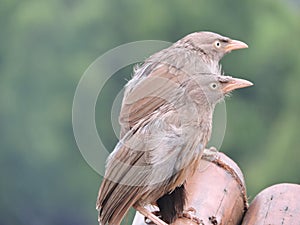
235, 83
235, 45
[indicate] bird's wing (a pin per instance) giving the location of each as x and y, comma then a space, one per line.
149, 94
145, 158
131, 175
115, 196
141, 167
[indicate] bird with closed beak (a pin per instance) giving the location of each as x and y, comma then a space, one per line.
166, 121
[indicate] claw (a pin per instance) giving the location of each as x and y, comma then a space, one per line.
190, 213
149, 221
211, 154
150, 217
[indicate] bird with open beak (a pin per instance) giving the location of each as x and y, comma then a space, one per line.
166, 121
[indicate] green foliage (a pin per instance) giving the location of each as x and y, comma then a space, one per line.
45, 46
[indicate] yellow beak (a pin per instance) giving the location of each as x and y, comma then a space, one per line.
235, 83
235, 45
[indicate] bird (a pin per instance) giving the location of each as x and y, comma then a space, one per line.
165, 119
198, 52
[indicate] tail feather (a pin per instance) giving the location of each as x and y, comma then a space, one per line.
114, 205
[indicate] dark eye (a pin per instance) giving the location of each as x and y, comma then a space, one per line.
217, 44
213, 85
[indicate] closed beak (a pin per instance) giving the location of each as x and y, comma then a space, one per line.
235, 83
235, 45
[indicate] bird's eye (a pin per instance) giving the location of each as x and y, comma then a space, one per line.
217, 44
213, 85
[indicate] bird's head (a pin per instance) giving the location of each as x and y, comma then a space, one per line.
210, 89
211, 45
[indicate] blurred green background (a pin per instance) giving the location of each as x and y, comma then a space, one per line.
45, 47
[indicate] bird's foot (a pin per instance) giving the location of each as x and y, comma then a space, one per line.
190, 213
213, 149
149, 216
150, 222
210, 154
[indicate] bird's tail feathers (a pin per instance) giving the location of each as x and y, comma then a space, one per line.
115, 203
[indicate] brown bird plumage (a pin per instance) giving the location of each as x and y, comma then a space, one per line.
166, 119
198, 52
